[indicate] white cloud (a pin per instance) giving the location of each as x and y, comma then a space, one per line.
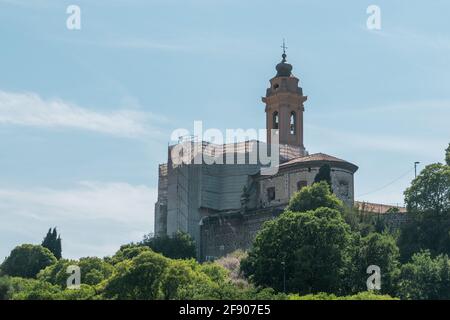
29, 109
137, 43
400, 36
385, 127
357, 140
29, 4
432, 108
409, 106
134, 43
94, 218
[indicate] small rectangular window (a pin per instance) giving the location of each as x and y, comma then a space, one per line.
271, 193
293, 123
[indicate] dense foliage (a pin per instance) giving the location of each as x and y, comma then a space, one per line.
425, 277
314, 197
382, 251
94, 270
368, 295
293, 244
150, 275
26, 261
314, 247
320, 251
428, 203
178, 246
430, 191
5, 288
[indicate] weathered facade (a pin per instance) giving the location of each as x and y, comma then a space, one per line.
392, 216
222, 206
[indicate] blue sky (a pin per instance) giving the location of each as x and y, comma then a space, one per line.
86, 115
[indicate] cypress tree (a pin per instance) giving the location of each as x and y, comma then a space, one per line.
47, 240
58, 249
52, 242
324, 174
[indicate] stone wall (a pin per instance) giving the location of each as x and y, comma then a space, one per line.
395, 220
161, 204
223, 234
226, 233
285, 184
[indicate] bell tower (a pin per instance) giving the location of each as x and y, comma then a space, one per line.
284, 106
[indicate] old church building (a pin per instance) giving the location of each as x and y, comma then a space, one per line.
222, 206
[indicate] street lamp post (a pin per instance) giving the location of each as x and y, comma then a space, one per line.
283, 265
415, 168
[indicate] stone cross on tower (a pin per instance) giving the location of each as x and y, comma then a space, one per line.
284, 47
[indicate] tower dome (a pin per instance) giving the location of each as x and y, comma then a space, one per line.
284, 69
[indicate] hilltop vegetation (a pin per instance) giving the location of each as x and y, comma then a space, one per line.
317, 249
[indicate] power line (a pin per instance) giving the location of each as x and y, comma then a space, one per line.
387, 185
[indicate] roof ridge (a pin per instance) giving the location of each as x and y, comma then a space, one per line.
320, 156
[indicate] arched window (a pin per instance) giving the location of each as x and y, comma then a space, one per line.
293, 123
276, 120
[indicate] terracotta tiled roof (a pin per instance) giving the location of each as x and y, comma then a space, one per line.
320, 157
377, 207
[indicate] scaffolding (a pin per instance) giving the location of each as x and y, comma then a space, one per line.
192, 151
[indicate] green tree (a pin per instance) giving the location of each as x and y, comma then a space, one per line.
27, 260
324, 174
363, 222
178, 246
313, 197
56, 273
93, 271
32, 289
138, 278
262, 294
425, 277
430, 191
367, 295
52, 242
149, 275
185, 279
85, 292
380, 250
316, 247
127, 252
447, 155
428, 204
424, 232
178, 274
5, 288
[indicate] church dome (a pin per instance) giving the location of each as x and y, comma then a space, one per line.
284, 69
